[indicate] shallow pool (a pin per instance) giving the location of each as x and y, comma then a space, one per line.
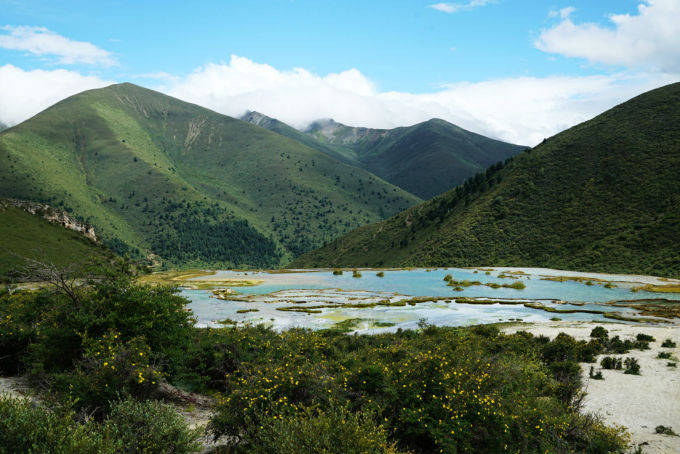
337, 293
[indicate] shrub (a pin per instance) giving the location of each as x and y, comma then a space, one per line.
595, 375
335, 431
632, 367
109, 370
616, 345
149, 427
356, 273
449, 389
57, 325
380, 274
665, 430
664, 355
599, 332
448, 278
644, 337
609, 362
668, 343
337, 272
27, 428
672, 364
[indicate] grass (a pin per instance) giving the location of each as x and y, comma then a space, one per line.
24, 235
465, 283
155, 174
569, 203
668, 288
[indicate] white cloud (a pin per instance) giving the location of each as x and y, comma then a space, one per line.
43, 42
562, 13
649, 39
521, 110
455, 7
25, 93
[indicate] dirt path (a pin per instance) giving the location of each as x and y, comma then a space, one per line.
16, 387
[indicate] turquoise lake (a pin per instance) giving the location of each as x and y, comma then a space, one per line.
321, 287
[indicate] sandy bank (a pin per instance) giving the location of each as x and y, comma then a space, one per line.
639, 403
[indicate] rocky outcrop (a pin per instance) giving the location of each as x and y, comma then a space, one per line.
54, 216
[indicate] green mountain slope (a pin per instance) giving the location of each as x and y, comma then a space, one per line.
601, 196
282, 128
154, 173
425, 159
24, 235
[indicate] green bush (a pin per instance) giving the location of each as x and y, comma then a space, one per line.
599, 332
336, 431
617, 346
632, 367
149, 427
454, 390
595, 375
645, 337
668, 343
664, 355
665, 430
609, 362
109, 370
47, 331
32, 429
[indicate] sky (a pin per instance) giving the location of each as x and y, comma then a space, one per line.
516, 70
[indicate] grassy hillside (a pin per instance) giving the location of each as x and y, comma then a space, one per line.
425, 159
25, 235
601, 196
282, 128
153, 173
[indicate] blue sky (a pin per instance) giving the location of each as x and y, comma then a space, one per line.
416, 49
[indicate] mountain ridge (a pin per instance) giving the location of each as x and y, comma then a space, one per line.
425, 159
601, 196
154, 173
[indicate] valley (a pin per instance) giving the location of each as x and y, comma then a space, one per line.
174, 279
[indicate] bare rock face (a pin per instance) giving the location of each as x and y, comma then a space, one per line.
55, 216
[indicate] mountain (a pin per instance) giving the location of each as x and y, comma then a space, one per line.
29, 235
424, 159
3, 126
156, 174
282, 128
601, 196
